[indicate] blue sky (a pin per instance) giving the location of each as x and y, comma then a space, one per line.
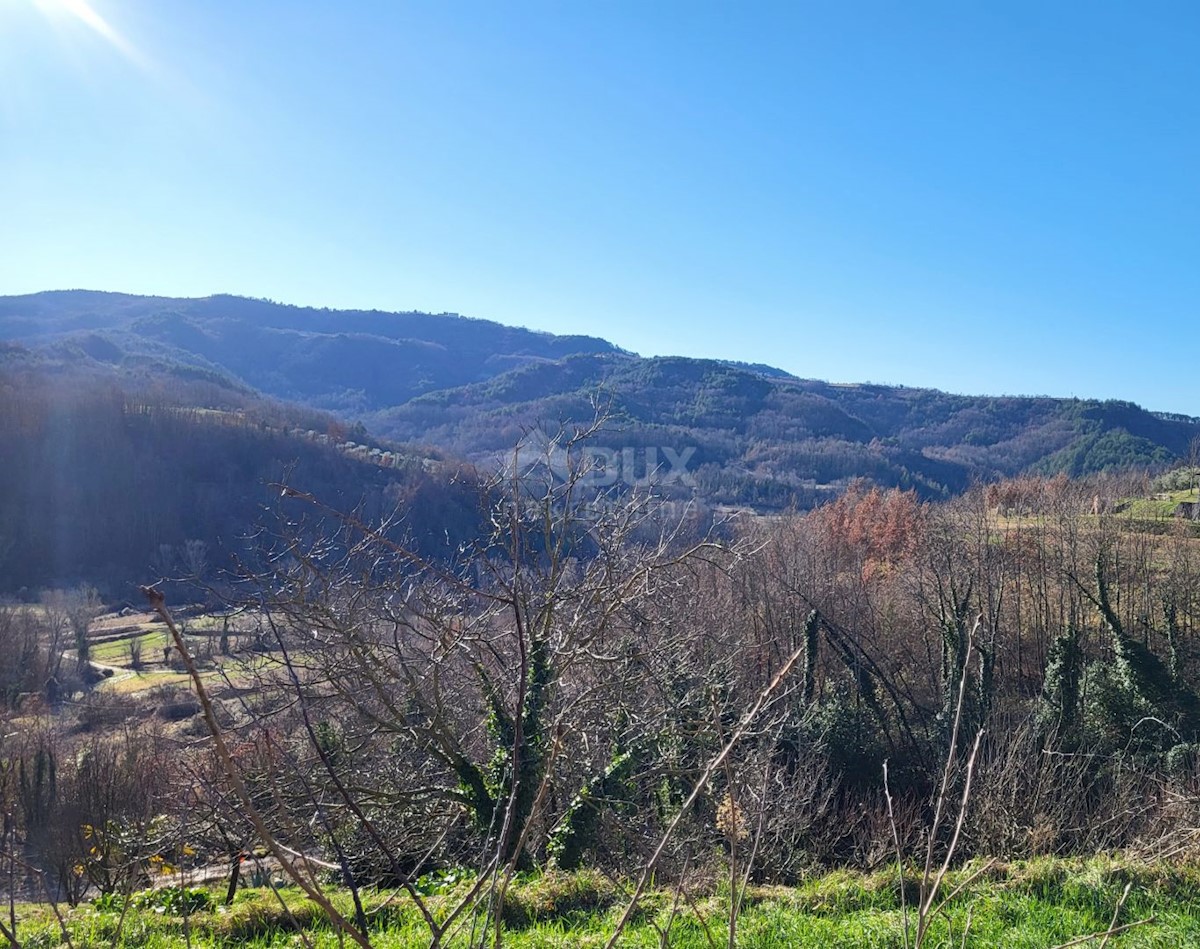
985, 198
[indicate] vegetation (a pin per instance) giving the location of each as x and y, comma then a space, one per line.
346, 361
111, 476
770, 443
756, 436
556, 705
1038, 903
698, 720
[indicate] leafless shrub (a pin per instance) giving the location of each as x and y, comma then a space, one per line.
875, 833
1033, 799
135, 653
178, 711
585, 686
103, 710
1170, 829
796, 800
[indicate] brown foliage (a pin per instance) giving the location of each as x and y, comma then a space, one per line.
877, 529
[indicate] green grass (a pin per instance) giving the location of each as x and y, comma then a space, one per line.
1033, 904
116, 651
141, 681
1157, 506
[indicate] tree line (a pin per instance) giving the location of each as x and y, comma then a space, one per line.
603, 681
103, 471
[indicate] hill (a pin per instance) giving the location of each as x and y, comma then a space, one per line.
114, 476
771, 442
751, 434
348, 361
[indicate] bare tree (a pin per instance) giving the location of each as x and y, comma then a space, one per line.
485, 711
75, 609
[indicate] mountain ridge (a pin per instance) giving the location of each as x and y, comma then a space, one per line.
759, 436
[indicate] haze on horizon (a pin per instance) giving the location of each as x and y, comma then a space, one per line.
981, 200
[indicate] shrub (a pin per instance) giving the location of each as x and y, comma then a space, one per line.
176, 900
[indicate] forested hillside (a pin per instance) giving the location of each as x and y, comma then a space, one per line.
753, 436
466, 677
772, 442
110, 476
350, 361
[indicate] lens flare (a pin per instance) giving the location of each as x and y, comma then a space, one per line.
83, 12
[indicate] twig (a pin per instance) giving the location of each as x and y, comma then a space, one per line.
1113, 931
1116, 912
664, 932
962, 816
10, 834
691, 902
343, 925
706, 776
965, 883
287, 910
931, 880
51, 899
887, 793
740, 896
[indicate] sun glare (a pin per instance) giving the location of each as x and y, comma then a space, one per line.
82, 11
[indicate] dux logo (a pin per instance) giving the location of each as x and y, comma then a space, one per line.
597, 467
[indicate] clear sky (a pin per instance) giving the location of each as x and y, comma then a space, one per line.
994, 198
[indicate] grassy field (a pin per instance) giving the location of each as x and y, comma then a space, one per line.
1040, 903
116, 651
143, 681
1159, 506
115, 637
